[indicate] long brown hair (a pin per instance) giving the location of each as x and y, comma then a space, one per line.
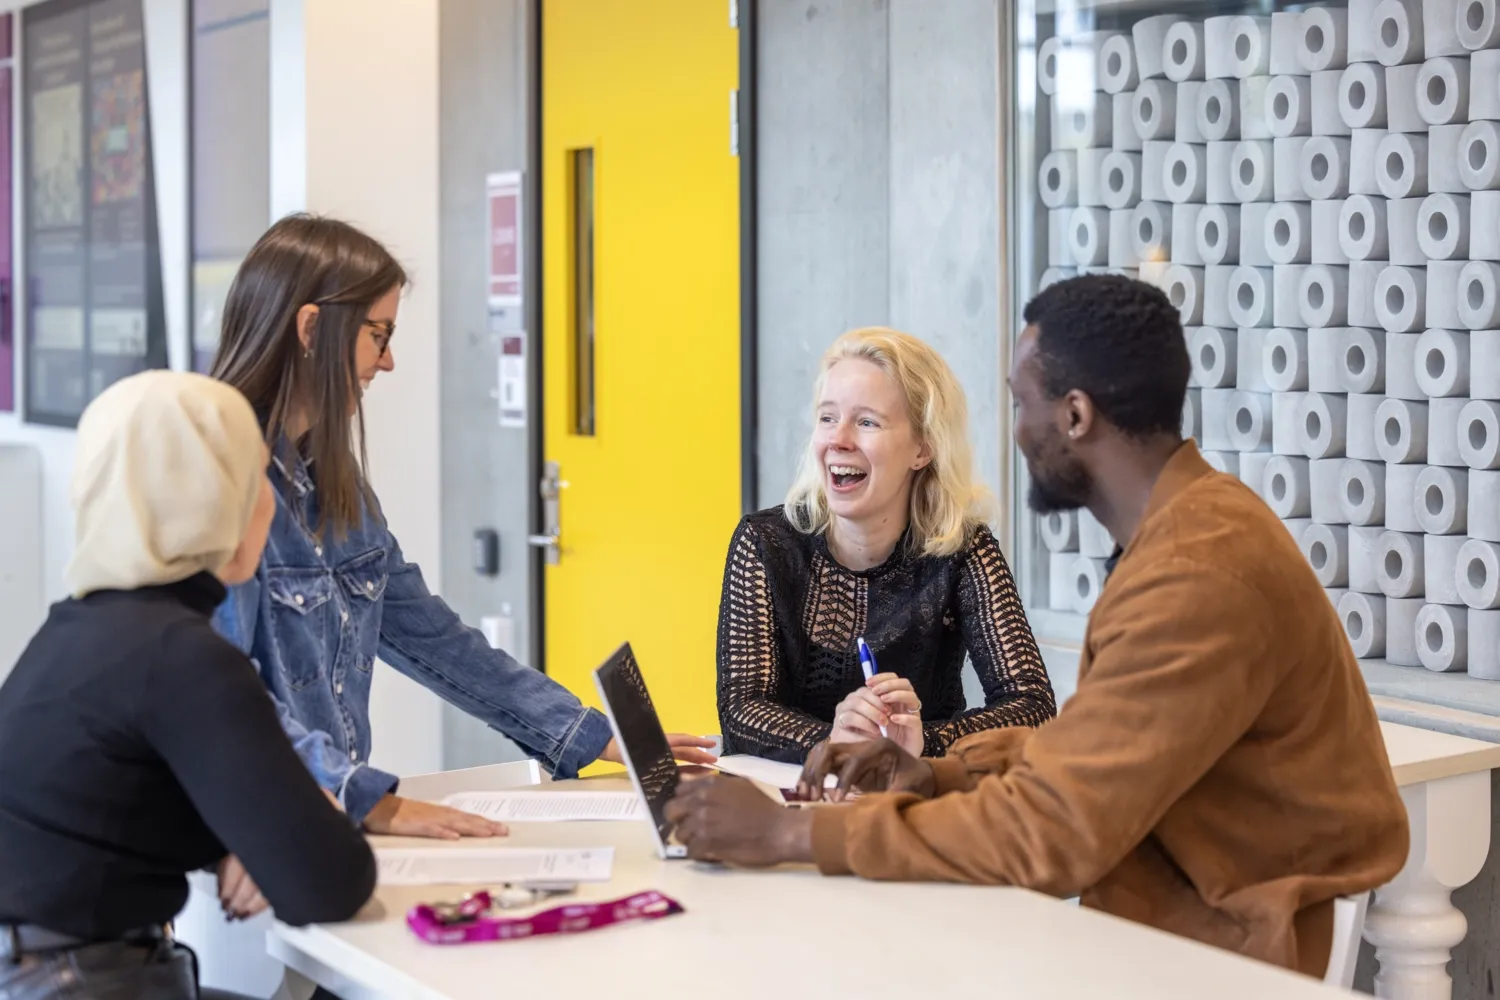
308, 260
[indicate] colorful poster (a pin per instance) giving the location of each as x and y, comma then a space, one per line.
94, 298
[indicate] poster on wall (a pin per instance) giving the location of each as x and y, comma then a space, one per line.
506, 292
94, 303
7, 270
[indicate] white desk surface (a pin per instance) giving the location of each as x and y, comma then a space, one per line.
786, 934
1419, 755
793, 933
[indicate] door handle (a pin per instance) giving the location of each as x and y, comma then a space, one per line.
550, 546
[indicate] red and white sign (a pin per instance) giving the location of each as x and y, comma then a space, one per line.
503, 198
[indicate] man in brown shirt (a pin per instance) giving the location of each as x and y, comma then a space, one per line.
1218, 774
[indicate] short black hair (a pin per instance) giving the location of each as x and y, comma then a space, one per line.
1120, 341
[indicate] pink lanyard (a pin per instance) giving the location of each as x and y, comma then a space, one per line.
572, 918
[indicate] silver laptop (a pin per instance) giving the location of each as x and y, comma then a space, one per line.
643, 742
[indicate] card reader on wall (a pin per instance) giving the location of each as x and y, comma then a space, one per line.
487, 552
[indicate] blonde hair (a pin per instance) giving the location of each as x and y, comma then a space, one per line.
946, 502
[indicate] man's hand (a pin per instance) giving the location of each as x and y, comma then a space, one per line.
685, 747
869, 766
400, 817
728, 819
238, 895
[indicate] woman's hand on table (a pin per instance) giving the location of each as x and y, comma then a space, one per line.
398, 817
885, 700
685, 747
729, 819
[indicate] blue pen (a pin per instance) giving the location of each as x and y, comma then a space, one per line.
867, 664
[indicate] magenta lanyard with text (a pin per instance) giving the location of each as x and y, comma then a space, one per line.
442, 925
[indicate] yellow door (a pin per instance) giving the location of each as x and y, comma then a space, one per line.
640, 244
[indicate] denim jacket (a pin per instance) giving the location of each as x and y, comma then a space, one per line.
320, 610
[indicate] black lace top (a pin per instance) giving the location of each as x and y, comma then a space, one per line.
790, 615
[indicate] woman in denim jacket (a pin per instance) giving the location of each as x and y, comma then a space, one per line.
307, 327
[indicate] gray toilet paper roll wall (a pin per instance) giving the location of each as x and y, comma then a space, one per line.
1289, 106
1289, 233
1362, 227
1401, 631
1326, 548
1442, 500
1324, 422
1217, 235
1478, 574
1217, 112
1443, 90
1362, 96
1361, 492
1484, 645
1363, 616
1442, 638
1150, 37
1323, 39
1401, 165
1059, 530
1479, 155
1443, 226
1479, 434
1087, 582
1361, 361
1286, 359
1117, 70
1400, 299
1120, 179
1250, 423
1401, 431
1288, 487
1398, 564
1153, 110
1479, 295
1251, 296
1477, 24
1323, 296
1442, 363
1398, 32
1182, 52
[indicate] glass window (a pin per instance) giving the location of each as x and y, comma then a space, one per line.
1320, 198
231, 98
94, 298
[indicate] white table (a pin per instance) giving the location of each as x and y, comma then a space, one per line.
1413, 924
785, 934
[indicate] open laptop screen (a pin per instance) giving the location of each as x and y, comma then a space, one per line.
643, 743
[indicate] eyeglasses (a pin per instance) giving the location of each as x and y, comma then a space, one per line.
382, 332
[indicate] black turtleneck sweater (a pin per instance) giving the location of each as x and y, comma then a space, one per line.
136, 746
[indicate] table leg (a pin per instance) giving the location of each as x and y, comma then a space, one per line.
1412, 922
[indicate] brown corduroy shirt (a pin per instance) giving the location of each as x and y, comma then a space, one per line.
1219, 773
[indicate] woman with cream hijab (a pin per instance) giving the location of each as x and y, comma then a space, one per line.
135, 744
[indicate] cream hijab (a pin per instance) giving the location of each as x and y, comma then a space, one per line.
166, 477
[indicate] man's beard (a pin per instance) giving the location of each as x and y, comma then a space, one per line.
1058, 482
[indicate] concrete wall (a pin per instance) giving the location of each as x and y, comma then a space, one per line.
485, 482
879, 193
368, 123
